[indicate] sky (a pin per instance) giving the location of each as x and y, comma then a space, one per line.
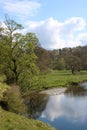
56, 23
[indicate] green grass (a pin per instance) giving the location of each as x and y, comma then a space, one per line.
62, 78
11, 121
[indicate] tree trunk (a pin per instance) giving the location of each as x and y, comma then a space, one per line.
73, 70
15, 71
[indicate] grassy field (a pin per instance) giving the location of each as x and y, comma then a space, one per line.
62, 78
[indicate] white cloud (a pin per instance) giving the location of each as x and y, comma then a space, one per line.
82, 39
73, 24
22, 9
54, 34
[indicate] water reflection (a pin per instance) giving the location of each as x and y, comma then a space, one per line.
76, 91
84, 85
36, 103
67, 111
73, 108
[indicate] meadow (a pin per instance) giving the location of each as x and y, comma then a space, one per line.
62, 78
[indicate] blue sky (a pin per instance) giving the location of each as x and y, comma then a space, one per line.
57, 23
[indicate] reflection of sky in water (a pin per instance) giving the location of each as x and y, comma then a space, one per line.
84, 85
73, 109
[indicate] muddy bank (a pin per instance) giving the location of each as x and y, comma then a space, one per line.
54, 91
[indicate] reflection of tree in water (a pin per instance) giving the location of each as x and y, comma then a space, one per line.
76, 91
36, 103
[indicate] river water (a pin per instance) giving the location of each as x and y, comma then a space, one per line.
67, 111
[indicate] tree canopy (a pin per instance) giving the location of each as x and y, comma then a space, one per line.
17, 57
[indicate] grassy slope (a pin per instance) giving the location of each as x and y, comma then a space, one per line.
11, 121
63, 78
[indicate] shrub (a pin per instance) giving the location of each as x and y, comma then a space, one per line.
12, 98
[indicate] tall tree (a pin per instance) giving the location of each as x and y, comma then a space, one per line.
44, 60
17, 57
73, 63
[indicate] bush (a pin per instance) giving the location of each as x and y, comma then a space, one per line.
13, 100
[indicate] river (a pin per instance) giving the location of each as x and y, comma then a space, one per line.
66, 111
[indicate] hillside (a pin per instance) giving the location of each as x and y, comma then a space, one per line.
11, 121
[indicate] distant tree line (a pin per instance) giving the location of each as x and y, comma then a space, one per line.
74, 59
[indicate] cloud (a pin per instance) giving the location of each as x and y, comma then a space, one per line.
22, 9
72, 24
82, 39
54, 34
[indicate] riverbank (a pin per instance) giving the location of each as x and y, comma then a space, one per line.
12, 121
54, 91
54, 83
